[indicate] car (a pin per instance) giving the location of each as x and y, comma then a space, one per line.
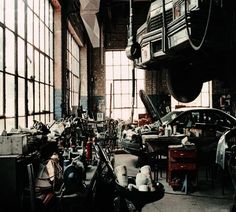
184, 38
200, 126
226, 149
226, 158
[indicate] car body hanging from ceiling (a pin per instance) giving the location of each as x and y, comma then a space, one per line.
192, 40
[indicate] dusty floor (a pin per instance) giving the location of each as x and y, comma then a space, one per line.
207, 197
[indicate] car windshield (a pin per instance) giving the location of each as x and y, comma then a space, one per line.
170, 116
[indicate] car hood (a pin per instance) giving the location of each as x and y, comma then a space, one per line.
220, 152
223, 145
152, 111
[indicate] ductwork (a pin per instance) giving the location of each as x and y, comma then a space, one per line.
88, 12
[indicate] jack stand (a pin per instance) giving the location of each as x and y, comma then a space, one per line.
185, 185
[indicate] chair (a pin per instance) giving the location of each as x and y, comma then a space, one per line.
40, 198
30, 170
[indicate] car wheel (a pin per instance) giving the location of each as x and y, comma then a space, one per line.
183, 84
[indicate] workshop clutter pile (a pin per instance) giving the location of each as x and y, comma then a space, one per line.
59, 152
139, 190
142, 182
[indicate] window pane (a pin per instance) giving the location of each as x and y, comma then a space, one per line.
126, 113
117, 87
30, 121
42, 36
51, 44
50, 17
1, 125
205, 87
10, 52
117, 72
69, 60
30, 97
36, 31
30, 3
21, 97
125, 72
108, 86
51, 116
21, 121
46, 70
140, 74
116, 58
76, 84
75, 70
51, 99
205, 99
36, 6
29, 25
42, 69
10, 123
46, 12
109, 73
126, 87
21, 57
117, 101
47, 118
46, 41
30, 61
36, 98
42, 10
10, 14
36, 65
140, 85
76, 99
109, 58
10, 95
1, 12
51, 73
1, 94
42, 97
1, 48
21, 18
126, 100
42, 118
47, 98
37, 117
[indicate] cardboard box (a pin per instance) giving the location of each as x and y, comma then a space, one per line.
13, 144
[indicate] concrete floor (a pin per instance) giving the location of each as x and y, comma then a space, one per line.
207, 197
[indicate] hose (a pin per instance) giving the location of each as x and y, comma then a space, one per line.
197, 47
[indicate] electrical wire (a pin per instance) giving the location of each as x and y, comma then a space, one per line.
164, 25
197, 47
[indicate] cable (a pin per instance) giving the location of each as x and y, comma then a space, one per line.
197, 47
164, 29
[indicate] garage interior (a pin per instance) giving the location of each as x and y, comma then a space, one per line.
81, 80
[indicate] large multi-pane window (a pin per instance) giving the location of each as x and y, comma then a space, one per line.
119, 86
73, 71
26, 62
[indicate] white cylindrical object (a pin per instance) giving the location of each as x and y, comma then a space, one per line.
146, 170
141, 179
121, 175
143, 188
